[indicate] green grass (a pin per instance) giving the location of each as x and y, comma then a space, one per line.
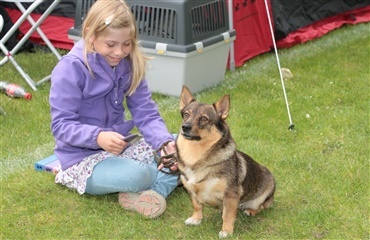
321, 168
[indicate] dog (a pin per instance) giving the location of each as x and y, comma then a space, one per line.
211, 168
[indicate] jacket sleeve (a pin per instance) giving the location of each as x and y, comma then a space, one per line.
146, 116
67, 81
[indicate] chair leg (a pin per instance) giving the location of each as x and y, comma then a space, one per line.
35, 26
27, 78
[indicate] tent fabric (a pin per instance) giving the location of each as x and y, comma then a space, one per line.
253, 35
290, 15
324, 26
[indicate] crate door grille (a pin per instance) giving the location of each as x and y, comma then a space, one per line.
86, 5
208, 18
154, 22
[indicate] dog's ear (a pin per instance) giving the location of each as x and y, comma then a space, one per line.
186, 97
222, 107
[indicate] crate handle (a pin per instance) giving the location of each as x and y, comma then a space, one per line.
161, 48
199, 47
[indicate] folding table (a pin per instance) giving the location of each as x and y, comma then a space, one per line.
35, 26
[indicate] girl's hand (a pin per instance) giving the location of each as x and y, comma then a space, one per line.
170, 148
111, 142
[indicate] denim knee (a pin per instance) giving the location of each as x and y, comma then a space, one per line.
116, 174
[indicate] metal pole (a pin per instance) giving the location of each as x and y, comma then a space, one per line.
231, 25
291, 127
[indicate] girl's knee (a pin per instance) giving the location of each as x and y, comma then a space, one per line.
123, 175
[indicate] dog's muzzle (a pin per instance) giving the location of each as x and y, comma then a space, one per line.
186, 128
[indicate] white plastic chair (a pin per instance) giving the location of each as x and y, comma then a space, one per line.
35, 26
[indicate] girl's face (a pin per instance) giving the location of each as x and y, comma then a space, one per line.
114, 45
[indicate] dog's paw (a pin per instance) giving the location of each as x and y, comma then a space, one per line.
193, 221
223, 234
251, 212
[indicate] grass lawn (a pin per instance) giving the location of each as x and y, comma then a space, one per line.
321, 167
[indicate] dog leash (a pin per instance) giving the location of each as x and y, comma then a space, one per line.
168, 160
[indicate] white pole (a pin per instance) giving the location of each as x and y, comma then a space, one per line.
291, 127
231, 25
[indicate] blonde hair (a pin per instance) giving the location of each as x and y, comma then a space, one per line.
114, 14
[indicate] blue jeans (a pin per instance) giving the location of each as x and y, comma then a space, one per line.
116, 174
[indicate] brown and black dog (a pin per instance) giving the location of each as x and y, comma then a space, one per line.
212, 170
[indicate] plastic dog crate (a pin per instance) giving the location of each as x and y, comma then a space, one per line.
189, 41
82, 7
179, 22
198, 66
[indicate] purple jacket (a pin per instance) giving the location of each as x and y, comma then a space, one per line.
82, 106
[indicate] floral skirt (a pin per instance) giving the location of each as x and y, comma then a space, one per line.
75, 177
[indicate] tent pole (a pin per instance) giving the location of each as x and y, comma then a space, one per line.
231, 25
291, 127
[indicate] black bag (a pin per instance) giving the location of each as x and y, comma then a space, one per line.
13, 40
7, 25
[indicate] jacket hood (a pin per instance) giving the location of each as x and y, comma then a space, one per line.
97, 62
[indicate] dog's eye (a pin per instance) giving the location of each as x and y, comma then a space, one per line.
185, 115
203, 119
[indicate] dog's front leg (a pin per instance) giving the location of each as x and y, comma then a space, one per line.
197, 216
230, 209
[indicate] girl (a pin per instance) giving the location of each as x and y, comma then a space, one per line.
88, 87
